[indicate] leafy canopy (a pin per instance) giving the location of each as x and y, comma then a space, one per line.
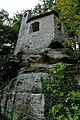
69, 16
62, 93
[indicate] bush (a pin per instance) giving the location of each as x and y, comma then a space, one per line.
62, 94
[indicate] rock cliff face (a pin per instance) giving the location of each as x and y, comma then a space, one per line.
23, 99
36, 53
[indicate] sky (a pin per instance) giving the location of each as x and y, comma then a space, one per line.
12, 6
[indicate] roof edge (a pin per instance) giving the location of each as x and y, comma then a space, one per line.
42, 15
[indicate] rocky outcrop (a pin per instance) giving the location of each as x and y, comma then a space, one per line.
38, 49
23, 97
50, 56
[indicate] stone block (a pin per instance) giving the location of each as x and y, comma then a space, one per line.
29, 83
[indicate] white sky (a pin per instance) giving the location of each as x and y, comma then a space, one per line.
11, 6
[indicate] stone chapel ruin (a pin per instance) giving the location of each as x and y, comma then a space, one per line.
38, 48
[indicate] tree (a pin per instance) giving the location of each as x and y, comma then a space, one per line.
9, 28
37, 10
48, 5
69, 16
44, 6
62, 93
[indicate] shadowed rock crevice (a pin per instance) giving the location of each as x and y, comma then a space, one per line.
55, 45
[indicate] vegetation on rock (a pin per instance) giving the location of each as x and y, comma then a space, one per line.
62, 93
61, 88
9, 28
69, 16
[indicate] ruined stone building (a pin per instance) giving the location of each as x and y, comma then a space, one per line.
39, 31
38, 48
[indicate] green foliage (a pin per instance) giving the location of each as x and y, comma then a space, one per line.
62, 93
4, 17
69, 16
9, 28
4, 117
47, 5
44, 6
16, 22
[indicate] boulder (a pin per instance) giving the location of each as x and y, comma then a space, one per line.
58, 55
34, 58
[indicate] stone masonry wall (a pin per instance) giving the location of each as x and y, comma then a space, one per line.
39, 39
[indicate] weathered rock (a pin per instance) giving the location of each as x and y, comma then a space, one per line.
39, 67
34, 55
57, 55
23, 98
55, 45
29, 83
43, 66
29, 106
35, 58
37, 107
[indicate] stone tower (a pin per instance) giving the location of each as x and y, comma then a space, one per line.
39, 31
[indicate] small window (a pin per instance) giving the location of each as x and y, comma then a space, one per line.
34, 27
